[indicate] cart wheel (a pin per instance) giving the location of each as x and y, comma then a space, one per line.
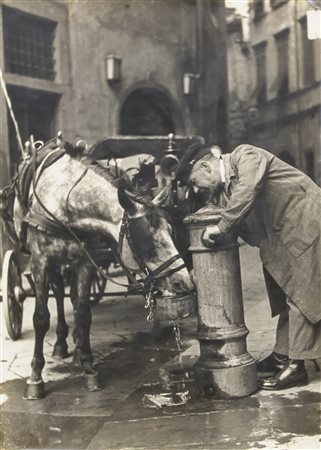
97, 288
12, 295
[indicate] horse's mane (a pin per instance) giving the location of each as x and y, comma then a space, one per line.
118, 177
112, 173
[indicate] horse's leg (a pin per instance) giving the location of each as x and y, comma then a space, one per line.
83, 320
41, 322
74, 302
61, 347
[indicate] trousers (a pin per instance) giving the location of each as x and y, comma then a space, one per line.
296, 337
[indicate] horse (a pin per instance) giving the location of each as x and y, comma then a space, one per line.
73, 201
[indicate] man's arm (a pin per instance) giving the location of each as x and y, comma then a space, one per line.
252, 164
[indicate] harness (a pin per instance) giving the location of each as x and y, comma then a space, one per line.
148, 283
151, 275
146, 286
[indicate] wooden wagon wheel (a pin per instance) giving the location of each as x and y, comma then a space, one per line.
13, 295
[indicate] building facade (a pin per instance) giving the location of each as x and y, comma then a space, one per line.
100, 68
277, 105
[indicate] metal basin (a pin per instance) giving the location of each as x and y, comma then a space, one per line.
174, 308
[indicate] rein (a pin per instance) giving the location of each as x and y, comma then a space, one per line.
54, 224
144, 286
151, 275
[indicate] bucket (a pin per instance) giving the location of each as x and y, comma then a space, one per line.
174, 308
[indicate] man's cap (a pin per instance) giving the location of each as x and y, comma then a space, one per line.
193, 154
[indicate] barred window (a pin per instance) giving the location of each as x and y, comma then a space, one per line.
258, 9
307, 54
282, 42
28, 44
260, 60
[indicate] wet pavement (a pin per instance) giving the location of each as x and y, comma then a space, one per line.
148, 397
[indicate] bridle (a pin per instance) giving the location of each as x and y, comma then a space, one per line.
148, 283
145, 286
150, 275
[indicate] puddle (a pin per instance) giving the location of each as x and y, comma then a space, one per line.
175, 381
165, 399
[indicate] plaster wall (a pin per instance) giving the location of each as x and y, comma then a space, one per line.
157, 42
292, 121
149, 50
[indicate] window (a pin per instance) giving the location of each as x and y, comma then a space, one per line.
258, 9
309, 163
28, 44
282, 42
276, 3
260, 60
307, 54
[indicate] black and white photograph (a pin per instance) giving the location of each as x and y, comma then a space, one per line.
160, 222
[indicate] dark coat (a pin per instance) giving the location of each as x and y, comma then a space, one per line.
278, 209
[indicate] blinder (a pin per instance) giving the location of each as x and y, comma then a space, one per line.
141, 237
136, 228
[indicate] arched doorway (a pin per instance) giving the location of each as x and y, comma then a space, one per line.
147, 111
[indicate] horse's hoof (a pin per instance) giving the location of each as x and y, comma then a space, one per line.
91, 381
34, 390
60, 351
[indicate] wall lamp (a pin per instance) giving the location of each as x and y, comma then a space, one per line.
112, 68
189, 83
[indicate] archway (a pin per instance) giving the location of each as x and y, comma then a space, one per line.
147, 111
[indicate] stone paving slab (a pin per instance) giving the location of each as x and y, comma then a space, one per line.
45, 431
132, 363
250, 428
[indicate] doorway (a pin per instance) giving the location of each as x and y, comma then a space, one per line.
146, 112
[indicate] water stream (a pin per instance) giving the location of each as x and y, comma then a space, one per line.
174, 378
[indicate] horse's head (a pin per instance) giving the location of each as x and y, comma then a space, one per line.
148, 246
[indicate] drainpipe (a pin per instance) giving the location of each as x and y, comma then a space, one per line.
298, 74
200, 16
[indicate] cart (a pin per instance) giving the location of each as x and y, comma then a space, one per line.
17, 284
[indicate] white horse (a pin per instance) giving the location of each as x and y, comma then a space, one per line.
75, 200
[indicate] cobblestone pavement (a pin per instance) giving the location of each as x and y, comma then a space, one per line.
133, 365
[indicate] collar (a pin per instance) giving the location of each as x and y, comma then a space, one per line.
222, 171
228, 169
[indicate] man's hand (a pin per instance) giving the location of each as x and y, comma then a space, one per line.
209, 235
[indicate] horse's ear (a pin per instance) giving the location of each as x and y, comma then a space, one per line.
162, 196
126, 202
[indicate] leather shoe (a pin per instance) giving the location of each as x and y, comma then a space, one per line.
272, 364
294, 374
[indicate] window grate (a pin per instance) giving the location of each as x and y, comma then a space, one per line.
260, 60
307, 54
282, 43
258, 9
29, 44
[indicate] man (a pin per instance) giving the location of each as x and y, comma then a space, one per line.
278, 209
